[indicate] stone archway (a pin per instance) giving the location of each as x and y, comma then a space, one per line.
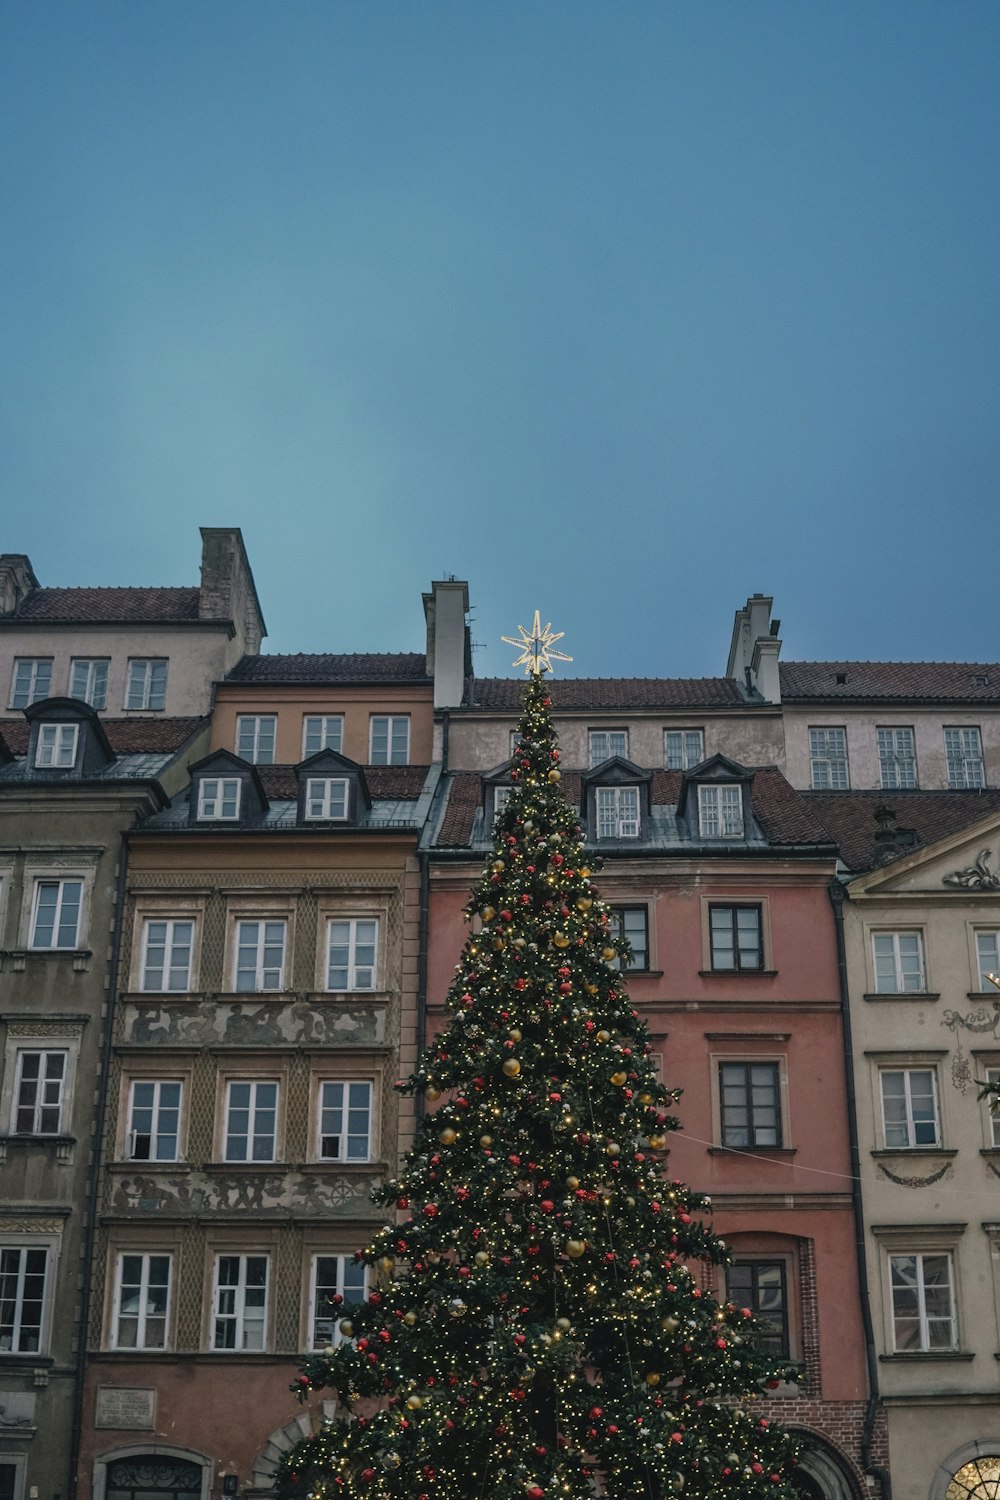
823, 1472
972, 1472
148, 1469
281, 1440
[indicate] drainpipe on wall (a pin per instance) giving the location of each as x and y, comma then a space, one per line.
94, 1175
836, 893
425, 887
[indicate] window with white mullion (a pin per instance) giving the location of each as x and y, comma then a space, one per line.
617, 812
142, 1302
38, 1092
56, 746
166, 959
683, 748
322, 732
720, 811
501, 796
352, 953
154, 1119
345, 1123
219, 798
993, 1079
897, 757
255, 736
31, 681
988, 957
909, 1108
964, 753
260, 956
88, 680
147, 683
607, 742
23, 1276
899, 962
828, 759
390, 740
923, 1303
55, 921
239, 1302
251, 1120
326, 798
336, 1280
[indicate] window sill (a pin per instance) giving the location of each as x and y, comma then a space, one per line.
63, 1144
923, 1356
904, 995
18, 957
778, 1152
248, 1168
738, 973
902, 1153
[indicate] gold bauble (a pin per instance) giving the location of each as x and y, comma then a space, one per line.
414, 1403
575, 1248
585, 871
564, 1324
512, 1067
645, 1098
560, 939
618, 1079
498, 865
409, 1318
613, 1149
489, 912
555, 775
604, 1036
657, 1142
585, 903
346, 1327
432, 1093
573, 1182
448, 1136
609, 953
653, 1377
485, 1140
514, 1035
591, 989
670, 1324
481, 1258
498, 944
387, 1264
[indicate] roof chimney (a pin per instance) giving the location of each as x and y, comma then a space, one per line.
17, 581
449, 645
753, 655
228, 592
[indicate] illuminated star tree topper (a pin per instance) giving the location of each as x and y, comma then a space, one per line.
537, 654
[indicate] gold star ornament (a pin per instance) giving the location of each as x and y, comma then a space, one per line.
536, 646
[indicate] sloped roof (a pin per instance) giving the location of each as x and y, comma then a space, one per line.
504, 694
389, 666
125, 736
108, 606
401, 783
849, 818
888, 681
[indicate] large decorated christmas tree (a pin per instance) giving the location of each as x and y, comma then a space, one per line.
535, 1328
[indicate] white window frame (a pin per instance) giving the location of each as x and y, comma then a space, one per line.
254, 1109
141, 684
157, 1110
262, 969
40, 1103
326, 738
963, 751
169, 965
237, 1319
24, 697
345, 1108
143, 1315
986, 965
346, 1270
62, 881
501, 796
690, 751
828, 765
319, 798
22, 1248
391, 721
95, 673
617, 930
717, 802
354, 969
599, 745
897, 764
250, 730
900, 975
55, 747
992, 1120
619, 813
909, 1123
218, 798
919, 1256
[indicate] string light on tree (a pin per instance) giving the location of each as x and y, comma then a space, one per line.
535, 1330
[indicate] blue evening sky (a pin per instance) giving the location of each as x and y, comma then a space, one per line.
620, 310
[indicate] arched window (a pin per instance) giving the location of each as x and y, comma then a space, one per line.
149, 1477
978, 1480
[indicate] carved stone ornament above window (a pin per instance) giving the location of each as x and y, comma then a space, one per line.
978, 877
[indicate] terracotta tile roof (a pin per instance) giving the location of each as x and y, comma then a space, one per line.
401, 783
465, 797
389, 666
125, 736
503, 694
850, 818
784, 814
128, 606
915, 681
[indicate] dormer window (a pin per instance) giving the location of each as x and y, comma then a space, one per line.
617, 812
720, 811
607, 742
219, 798
501, 795
326, 797
55, 747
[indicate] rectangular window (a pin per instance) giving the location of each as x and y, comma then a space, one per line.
760, 1285
322, 732
963, 750
239, 1302
909, 1108
501, 795
142, 1301
251, 1120
923, 1303
352, 953
166, 955
38, 1093
147, 682
993, 1079
617, 812
255, 735
56, 746
345, 1121
988, 957
31, 681
336, 1279
683, 748
88, 679
737, 938
720, 812
632, 924
219, 798
326, 797
607, 742
828, 759
55, 921
390, 739
899, 962
897, 757
751, 1104
22, 1299
260, 956
154, 1119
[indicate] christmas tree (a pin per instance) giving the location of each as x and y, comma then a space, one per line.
535, 1327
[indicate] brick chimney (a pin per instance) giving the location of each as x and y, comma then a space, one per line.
17, 581
753, 655
228, 592
449, 645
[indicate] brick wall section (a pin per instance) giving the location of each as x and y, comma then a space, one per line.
841, 1423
